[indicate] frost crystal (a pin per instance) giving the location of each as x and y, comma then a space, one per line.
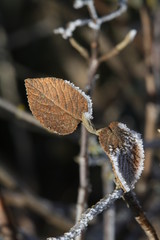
136, 137
88, 114
124, 147
66, 33
87, 216
95, 26
133, 33
78, 4
115, 158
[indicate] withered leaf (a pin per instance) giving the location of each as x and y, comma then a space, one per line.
124, 148
57, 104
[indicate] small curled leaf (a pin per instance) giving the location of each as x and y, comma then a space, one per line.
57, 104
124, 148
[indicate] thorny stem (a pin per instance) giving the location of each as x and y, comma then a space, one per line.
91, 213
130, 198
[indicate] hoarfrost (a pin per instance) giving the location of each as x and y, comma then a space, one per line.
134, 137
88, 114
87, 216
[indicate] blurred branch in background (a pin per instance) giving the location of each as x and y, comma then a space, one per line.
17, 195
29, 48
19, 113
151, 110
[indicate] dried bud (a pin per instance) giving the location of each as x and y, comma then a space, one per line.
124, 148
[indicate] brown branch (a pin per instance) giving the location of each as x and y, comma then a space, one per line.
83, 174
8, 229
24, 198
83, 52
151, 110
19, 113
84, 168
140, 217
108, 216
38, 205
119, 47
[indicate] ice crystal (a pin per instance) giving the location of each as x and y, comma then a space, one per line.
88, 114
87, 216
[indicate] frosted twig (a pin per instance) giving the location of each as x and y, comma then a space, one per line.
119, 12
71, 27
88, 215
119, 47
94, 22
89, 4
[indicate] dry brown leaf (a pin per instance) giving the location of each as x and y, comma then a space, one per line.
124, 148
57, 104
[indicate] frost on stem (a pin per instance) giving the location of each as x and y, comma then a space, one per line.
124, 148
81, 3
87, 216
94, 22
71, 27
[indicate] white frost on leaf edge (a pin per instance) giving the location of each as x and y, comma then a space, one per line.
88, 114
138, 140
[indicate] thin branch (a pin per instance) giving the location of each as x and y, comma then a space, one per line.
151, 109
84, 167
140, 217
83, 174
119, 47
90, 4
19, 113
108, 216
40, 206
119, 12
71, 27
8, 228
90, 214
83, 52
94, 22
91, 8
24, 198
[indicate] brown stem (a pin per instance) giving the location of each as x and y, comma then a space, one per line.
83, 174
83, 52
7, 227
119, 47
151, 110
108, 216
140, 217
83, 159
18, 112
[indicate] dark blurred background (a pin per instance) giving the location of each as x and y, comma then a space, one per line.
37, 167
